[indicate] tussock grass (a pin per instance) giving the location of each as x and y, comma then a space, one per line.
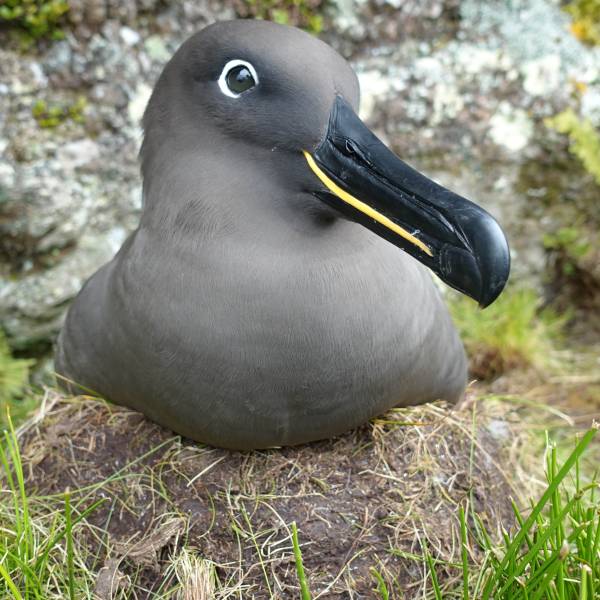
38, 553
425, 502
153, 516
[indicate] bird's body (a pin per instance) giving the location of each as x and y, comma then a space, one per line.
243, 312
279, 347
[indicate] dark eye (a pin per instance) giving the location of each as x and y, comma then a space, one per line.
237, 77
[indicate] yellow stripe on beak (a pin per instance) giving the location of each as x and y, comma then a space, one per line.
364, 208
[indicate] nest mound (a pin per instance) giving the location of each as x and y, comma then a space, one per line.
371, 499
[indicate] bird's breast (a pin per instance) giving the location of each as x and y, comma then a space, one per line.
280, 342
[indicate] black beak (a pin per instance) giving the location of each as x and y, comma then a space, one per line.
456, 239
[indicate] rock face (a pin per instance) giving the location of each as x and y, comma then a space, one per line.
91, 13
71, 192
460, 89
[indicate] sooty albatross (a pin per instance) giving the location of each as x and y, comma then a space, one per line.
275, 290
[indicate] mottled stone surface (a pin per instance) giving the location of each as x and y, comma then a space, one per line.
459, 89
70, 194
468, 107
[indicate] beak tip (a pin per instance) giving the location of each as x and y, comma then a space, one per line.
481, 272
490, 297
488, 268
495, 268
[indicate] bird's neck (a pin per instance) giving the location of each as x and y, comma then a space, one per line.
200, 197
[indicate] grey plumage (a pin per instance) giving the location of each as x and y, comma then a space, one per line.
243, 312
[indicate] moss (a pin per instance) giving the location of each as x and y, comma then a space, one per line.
584, 140
573, 242
574, 266
562, 197
586, 20
48, 116
35, 18
514, 332
306, 14
14, 376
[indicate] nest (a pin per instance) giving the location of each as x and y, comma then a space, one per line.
216, 523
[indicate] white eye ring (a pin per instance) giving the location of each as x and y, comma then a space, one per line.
223, 77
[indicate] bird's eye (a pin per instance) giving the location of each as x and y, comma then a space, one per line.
237, 77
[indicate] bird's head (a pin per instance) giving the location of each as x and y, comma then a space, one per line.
256, 93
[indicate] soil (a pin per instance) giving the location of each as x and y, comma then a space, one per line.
361, 501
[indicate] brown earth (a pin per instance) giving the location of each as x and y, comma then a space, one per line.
368, 499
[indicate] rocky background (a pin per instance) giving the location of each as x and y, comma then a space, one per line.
464, 90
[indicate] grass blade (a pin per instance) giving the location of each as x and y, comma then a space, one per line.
464, 555
305, 592
69, 536
53, 540
515, 545
381, 586
433, 575
550, 572
10, 583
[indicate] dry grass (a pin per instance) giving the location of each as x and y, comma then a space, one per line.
189, 521
195, 575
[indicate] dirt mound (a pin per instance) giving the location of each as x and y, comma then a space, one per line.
371, 499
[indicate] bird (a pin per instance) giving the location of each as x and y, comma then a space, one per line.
278, 287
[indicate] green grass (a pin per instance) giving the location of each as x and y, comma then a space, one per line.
513, 332
38, 555
553, 553
45, 550
382, 588
14, 377
574, 243
304, 591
